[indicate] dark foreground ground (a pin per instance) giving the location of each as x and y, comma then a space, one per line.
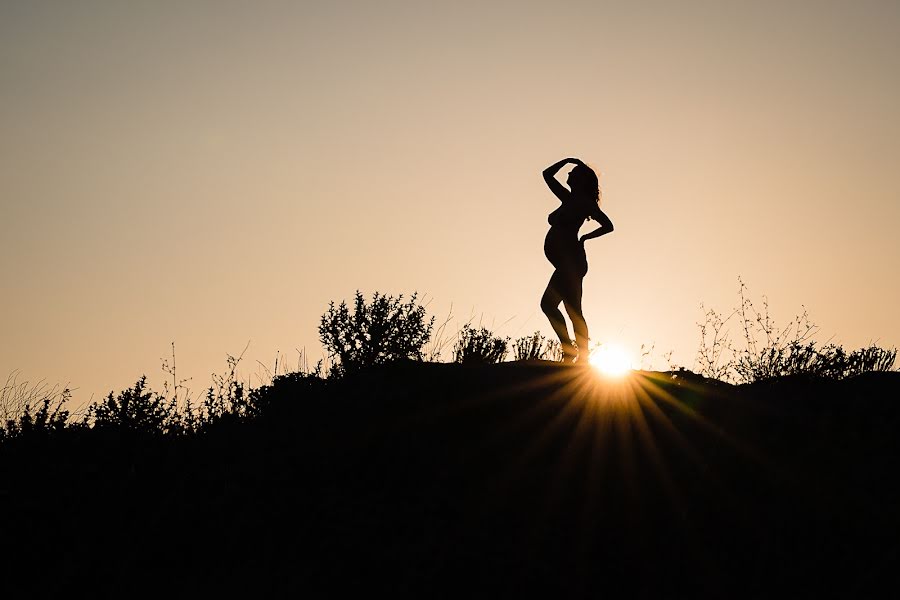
429, 480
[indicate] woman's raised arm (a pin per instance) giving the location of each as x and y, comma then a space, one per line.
550, 178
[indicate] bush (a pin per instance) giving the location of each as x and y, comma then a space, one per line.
226, 399
134, 410
795, 358
768, 351
536, 347
479, 346
31, 409
47, 419
386, 330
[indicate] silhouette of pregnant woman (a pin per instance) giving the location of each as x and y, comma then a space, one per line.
565, 251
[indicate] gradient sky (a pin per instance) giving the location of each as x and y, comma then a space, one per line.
213, 173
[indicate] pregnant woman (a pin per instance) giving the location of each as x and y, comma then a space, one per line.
565, 251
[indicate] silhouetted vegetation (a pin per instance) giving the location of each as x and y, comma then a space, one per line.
136, 409
227, 399
46, 418
32, 409
536, 347
479, 345
430, 480
383, 331
420, 479
766, 351
389, 329
830, 361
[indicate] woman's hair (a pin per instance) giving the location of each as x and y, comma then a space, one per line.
584, 182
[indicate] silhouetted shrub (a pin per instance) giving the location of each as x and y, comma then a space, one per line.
871, 359
288, 394
768, 352
479, 346
536, 347
386, 330
136, 410
226, 398
530, 347
18, 398
49, 418
715, 356
830, 361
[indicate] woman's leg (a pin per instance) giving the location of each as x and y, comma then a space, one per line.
550, 305
571, 297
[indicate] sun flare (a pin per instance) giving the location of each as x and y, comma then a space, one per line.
612, 360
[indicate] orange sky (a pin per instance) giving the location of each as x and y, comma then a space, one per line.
214, 173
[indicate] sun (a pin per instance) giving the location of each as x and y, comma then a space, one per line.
612, 360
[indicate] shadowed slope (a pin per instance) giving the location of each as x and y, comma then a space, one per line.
435, 479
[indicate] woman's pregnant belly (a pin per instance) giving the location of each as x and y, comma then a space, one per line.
564, 251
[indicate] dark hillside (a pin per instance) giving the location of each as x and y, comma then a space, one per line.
451, 480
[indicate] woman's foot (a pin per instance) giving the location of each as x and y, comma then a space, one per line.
570, 353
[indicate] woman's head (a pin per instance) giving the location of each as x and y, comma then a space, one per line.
584, 182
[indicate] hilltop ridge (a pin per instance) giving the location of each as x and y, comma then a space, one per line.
447, 480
